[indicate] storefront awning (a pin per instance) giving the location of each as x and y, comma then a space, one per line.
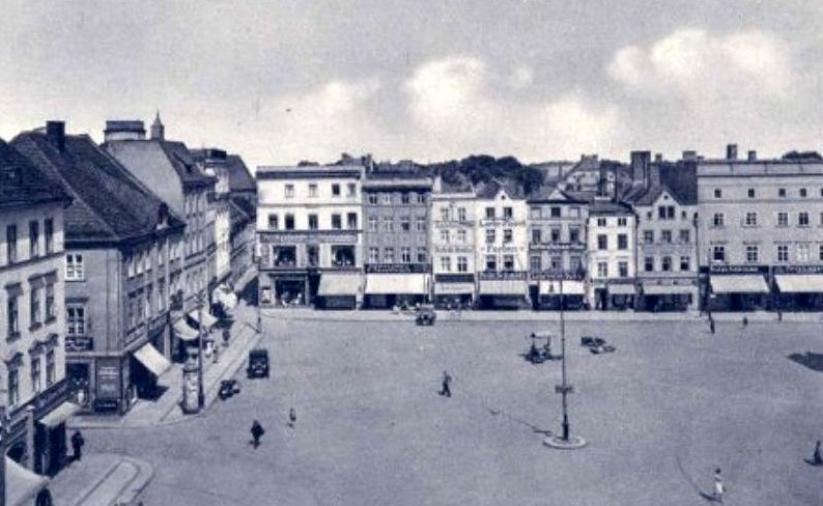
332, 285
208, 320
453, 288
152, 359
668, 289
60, 414
184, 332
800, 283
739, 283
552, 287
621, 289
503, 287
22, 485
396, 284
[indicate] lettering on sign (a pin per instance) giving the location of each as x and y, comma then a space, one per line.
453, 249
490, 248
108, 380
76, 344
798, 269
398, 268
454, 278
313, 238
503, 276
735, 269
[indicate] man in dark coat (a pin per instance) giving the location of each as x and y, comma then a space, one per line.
446, 385
257, 432
77, 443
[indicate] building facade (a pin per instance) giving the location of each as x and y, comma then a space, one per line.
557, 249
213, 162
396, 239
760, 232
309, 235
243, 215
453, 225
32, 371
611, 242
123, 256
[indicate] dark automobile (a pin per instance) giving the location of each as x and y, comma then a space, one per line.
591, 342
258, 363
425, 316
228, 388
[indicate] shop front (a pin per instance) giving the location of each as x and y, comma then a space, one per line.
620, 296
798, 288
205, 326
454, 291
503, 290
665, 295
554, 294
738, 288
339, 290
146, 367
395, 286
285, 289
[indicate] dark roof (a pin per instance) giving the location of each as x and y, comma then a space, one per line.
245, 206
183, 162
22, 184
609, 207
490, 189
545, 194
240, 178
238, 215
678, 179
109, 203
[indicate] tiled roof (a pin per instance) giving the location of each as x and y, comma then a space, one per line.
240, 178
109, 203
22, 184
183, 162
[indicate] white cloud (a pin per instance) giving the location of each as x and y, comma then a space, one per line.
522, 77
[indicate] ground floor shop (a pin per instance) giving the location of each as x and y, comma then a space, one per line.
505, 292
619, 296
339, 290
454, 291
285, 289
557, 294
395, 290
798, 292
659, 295
737, 292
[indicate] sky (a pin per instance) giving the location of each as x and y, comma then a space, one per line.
429, 80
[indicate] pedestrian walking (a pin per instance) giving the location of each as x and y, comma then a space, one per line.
77, 443
745, 322
257, 432
292, 417
446, 385
718, 486
816, 458
779, 315
711, 326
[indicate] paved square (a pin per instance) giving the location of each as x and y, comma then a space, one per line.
661, 413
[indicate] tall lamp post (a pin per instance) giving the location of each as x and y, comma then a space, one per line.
201, 396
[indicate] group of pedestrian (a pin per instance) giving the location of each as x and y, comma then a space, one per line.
257, 430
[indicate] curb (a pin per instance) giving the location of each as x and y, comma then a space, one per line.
138, 484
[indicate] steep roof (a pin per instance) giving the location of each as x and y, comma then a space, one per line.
678, 179
551, 193
109, 203
604, 207
183, 162
490, 189
240, 178
22, 184
245, 206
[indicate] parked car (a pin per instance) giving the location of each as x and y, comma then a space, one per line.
228, 388
426, 315
258, 363
590, 341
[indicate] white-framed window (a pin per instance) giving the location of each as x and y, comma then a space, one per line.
51, 310
36, 374
289, 191
75, 320
602, 269
75, 270
602, 242
405, 255
51, 368
782, 253
666, 263
648, 264
14, 385
34, 304
444, 214
351, 190
312, 190
335, 190
461, 235
648, 236
444, 236
421, 223
372, 223
388, 255
820, 252
623, 241
623, 269
373, 199
535, 263
752, 253
601, 222
751, 219
388, 224
374, 255
508, 236
422, 255
508, 213
803, 252
445, 264
685, 263
490, 236
622, 221
718, 253
461, 214
666, 236
491, 263
462, 264
508, 262
718, 220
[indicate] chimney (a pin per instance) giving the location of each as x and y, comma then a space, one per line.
640, 166
731, 152
752, 156
689, 155
654, 175
658, 157
56, 134
124, 130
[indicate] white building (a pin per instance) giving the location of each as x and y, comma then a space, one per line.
452, 238
611, 243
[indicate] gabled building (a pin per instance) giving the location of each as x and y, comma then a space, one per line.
611, 271
452, 229
34, 390
124, 258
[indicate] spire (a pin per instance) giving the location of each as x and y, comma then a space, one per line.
157, 128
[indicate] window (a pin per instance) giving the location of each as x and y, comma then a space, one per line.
718, 193
149, 294
289, 191
602, 242
312, 190
289, 222
622, 221
489, 213
444, 236
782, 253
461, 236
782, 219
602, 269
718, 253
51, 313
490, 236
752, 253
508, 262
374, 255
336, 221
507, 213
161, 296
576, 263
535, 212
718, 220
273, 222
648, 264
751, 219
555, 212
11, 243
648, 236
48, 232
556, 262
666, 263
445, 264
351, 221
781, 192
536, 236
666, 236
34, 305
351, 190
623, 241
75, 320
14, 385
803, 219
803, 193
335, 190
491, 263
507, 236
555, 234
422, 255
535, 263
34, 239
373, 199
820, 253
405, 223
802, 252
36, 377
574, 235
821, 219
685, 235
50, 368
421, 223
74, 267
685, 263
601, 222
372, 223
388, 224
386, 198
665, 212
444, 214
623, 269
405, 255
313, 222
388, 255
13, 313
405, 198
461, 214
750, 193
462, 264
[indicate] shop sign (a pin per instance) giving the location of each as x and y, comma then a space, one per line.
502, 276
558, 275
326, 237
798, 269
397, 268
491, 248
76, 344
453, 249
108, 379
735, 269
454, 278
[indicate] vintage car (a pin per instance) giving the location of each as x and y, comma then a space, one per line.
228, 388
426, 315
258, 363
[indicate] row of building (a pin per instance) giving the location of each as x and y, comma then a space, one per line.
106, 253
698, 233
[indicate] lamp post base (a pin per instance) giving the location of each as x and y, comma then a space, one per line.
558, 443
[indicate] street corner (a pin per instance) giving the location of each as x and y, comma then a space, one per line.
101, 478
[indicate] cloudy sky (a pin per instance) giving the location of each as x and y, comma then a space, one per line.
280, 81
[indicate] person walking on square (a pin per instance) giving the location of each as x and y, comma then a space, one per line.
77, 443
816, 458
446, 385
745, 322
292, 417
257, 432
718, 486
711, 326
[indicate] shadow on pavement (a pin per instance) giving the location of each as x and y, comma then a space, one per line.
813, 361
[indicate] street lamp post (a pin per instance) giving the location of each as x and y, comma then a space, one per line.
201, 397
